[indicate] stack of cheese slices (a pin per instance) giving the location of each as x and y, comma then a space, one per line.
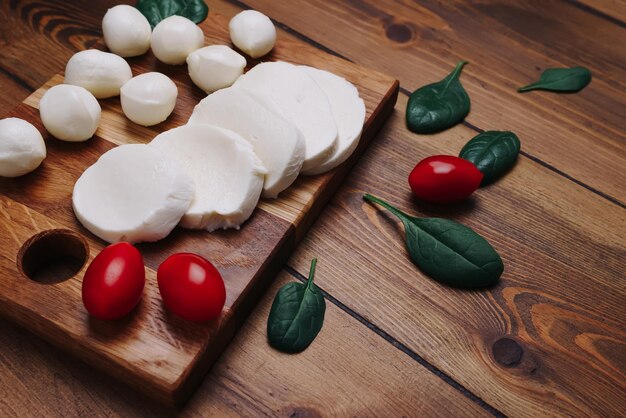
241, 143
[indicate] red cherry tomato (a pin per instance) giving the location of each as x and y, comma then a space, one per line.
444, 179
191, 287
113, 282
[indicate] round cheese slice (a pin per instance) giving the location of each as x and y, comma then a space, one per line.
227, 173
133, 193
277, 142
289, 91
347, 108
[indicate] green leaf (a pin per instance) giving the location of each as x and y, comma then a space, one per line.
493, 153
157, 10
438, 106
447, 251
561, 79
297, 315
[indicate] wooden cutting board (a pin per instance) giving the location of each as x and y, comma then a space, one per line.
44, 251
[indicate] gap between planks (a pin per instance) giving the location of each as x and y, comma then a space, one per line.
543, 164
387, 337
397, 344
599, 13
293, 272
406, 92
354, 314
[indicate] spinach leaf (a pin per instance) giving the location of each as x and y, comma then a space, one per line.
561, 79
297, 315
493, 153
157, 10
438, 106
448, 251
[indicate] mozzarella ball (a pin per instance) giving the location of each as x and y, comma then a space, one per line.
149, 98
126, 31
70, 113
21, 147
253, 33
215, 67
174, 38
102, 73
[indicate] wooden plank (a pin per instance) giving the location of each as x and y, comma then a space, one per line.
150, 348
582, 214
615, 9
29, 28
348, 370
558, 314
300, 202
153, 350
507, 44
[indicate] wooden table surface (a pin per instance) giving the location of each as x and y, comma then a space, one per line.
549, 339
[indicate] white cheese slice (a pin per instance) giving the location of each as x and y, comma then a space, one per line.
349, 112
277, 142
227, 173
133, 193
288, 90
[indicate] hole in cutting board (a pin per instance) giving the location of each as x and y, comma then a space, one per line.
52, 256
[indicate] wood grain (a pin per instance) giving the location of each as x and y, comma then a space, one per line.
615, 9
558, 310
299, 204
523, 344
581, 135
152, 350
348, 370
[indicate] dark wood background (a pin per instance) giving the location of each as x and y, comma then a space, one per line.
550, 339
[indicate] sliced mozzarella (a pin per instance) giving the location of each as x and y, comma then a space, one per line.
227, 173
288, 90
102, 73
277, 142
349, 112
133, 193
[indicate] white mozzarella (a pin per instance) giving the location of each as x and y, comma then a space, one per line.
126, 31
215, 67
289, 91
21, 147
227, 173
174, 38
149, 98
70, 113
349, 112
133, 193
253, 33
277, 142
102, 73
